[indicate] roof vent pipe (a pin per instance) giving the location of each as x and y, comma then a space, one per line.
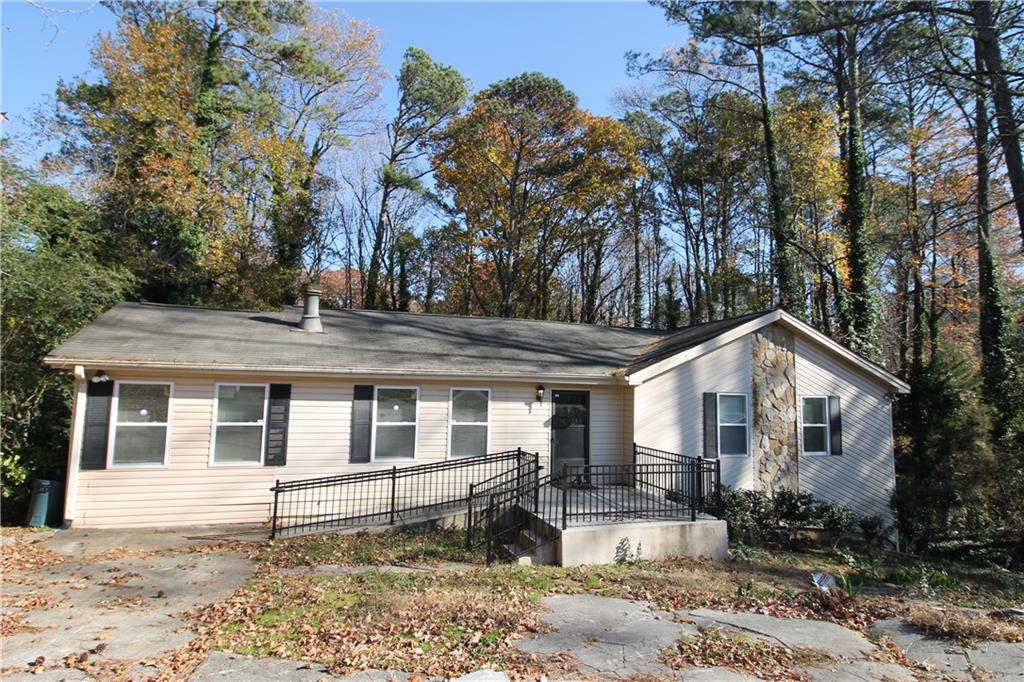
311, 309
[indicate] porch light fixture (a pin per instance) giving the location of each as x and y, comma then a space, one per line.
540, 393
100, 377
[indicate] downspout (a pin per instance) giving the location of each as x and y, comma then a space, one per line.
74, 446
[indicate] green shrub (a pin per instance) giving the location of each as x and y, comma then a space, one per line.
757, 518
836, 518
750, 516
874, 530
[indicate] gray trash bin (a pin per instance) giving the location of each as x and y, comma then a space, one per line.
46, 506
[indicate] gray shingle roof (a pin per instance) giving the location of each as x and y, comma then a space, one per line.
370, 341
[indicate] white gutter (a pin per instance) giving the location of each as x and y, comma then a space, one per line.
244, 368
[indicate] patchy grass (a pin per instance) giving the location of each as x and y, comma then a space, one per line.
908, 576
433, 623
965, 626
714, 647
448, 622
397, 546
451, 622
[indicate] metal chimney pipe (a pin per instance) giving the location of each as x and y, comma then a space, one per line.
311, 309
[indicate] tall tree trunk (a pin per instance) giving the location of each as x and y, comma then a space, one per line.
990, 311
934, 311
987, 46
638, 281
861, 319
784, 266
370, 301
404, 293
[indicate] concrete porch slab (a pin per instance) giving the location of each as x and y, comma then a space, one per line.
611, 542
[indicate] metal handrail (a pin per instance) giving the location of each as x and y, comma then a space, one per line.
411, 470
672, 487
510, 501
385, 495
483, 490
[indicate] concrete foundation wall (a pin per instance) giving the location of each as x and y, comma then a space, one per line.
656, 540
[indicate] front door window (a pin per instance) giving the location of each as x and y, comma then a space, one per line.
570, 429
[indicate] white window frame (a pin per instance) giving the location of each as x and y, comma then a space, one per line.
112, 427
452, 422
415, 425
746, 422
262, 423
827, 425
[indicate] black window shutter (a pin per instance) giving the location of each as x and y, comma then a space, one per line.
278, 408
362, 407
98, 396
835, 426
710, 425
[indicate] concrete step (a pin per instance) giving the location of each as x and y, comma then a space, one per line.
530, 538
522, 556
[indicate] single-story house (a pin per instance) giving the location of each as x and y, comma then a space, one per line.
186, 415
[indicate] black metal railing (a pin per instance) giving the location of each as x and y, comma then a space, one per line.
657, 485
386, 496
525, 473
511, 511
698, 486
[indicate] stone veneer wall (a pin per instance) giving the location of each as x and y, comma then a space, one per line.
774, 410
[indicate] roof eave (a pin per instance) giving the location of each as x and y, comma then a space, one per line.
644, 374
63, 362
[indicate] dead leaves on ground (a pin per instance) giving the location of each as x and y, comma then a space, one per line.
718, 648
17, 607
965, 626
399, 546
433, 623
20, 552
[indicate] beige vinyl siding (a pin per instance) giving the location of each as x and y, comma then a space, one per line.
862, 478
190, 491
669, 407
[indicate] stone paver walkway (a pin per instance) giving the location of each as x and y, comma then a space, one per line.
608, 636
127, 605
118, 604
1001, 660
791, 633
617, 638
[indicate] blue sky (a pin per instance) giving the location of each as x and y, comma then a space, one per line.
581, 43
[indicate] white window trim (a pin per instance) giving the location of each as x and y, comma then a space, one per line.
827, 425
415, 425
112, 427
452, 422
262, 424
719, 425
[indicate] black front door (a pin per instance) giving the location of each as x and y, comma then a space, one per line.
570, 429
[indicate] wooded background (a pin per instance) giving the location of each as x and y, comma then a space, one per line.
856, 163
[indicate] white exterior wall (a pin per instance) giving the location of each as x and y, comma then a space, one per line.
669, 407
669, 416
190, 491
863, 477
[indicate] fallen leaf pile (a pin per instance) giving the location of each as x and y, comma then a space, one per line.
715, 648
17, 606
120, 579
886, 651
965, 626
19, 553
11, 622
